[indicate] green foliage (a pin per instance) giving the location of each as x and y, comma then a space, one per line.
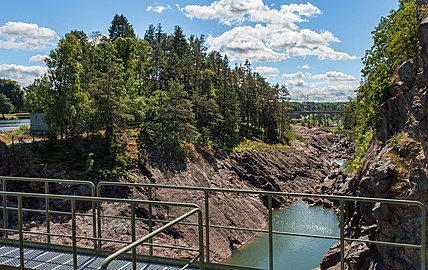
179, 93
394, 41
6, 105
13, 92
120, 27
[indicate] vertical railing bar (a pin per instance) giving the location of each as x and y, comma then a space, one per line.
5, 216
423, 237
342, 235
207, 226
21, 235
73, 232
48, 218
201, 241
99, 234
270, 222
134, 238
94, 217
150, 221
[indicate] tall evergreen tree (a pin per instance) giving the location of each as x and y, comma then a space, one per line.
120, 27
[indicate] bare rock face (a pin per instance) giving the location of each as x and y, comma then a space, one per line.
396, 166
299, 167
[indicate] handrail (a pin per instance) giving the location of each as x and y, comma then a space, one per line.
270, 195
46, 182
204, 260
137, 243
73, 213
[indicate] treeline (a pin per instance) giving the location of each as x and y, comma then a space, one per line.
318, 106
177, 90
394, 41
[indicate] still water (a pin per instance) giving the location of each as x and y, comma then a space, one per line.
291, 252
13, 124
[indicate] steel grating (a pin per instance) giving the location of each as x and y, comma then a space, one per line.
53, 260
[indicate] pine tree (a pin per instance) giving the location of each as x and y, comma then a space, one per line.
120, 27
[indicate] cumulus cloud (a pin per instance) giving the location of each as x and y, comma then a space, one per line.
38, 58
26, 36
304, 67
329, 86
267, 71
24, 75
275, 35
158, 8
298, 75
334, 76
245, 42
297, 83
331, 93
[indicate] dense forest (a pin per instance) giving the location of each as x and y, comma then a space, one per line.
172, 86
394, 41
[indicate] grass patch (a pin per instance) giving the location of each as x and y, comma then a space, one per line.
248, 145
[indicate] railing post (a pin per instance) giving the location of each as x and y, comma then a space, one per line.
423, 237
94, 216
342, 235
201, 241
21, 235
270, 222
99, 234
5, 216
134, 251
150, 221
48, 219
207, 226
73, 233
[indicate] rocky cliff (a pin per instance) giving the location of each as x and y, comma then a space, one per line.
298, 167
396, 166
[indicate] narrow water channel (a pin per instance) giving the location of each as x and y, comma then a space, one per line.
291, 252
13, 124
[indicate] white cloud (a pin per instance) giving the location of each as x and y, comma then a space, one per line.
245, 42
275, 35
24, 75
26, 36
158, 8
334, 76
267, 71
304, 67
329, 86
326, 93
297, 83
298, 75
38, 58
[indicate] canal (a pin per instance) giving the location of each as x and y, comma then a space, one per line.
13, 124
291, 252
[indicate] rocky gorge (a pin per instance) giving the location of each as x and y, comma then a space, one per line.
300, 166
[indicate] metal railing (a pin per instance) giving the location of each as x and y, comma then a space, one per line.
47, 190
135, 244
74, 249
270, 195
204, 224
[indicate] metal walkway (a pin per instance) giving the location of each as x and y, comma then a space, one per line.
57, 260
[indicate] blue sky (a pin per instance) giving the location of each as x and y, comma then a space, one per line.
313, 46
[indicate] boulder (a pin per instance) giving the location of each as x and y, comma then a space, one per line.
407, 71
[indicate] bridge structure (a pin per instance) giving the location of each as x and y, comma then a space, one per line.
297, 114
89, 249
